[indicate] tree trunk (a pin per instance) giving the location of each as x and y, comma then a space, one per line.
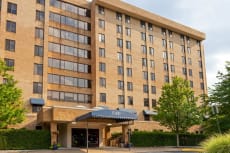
177, 140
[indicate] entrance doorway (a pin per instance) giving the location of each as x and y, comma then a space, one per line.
79, 137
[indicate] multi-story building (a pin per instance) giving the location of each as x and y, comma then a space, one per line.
75, 57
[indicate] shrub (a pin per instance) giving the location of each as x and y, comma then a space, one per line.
217, 144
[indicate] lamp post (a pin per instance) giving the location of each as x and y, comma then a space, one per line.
215, 111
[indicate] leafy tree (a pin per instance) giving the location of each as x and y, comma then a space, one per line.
177, 108
11, 104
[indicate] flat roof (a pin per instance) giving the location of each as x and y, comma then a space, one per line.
122, 7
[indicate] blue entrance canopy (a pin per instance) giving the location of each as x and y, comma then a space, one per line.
117, 115
37, 101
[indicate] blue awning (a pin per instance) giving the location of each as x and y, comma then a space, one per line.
149, 112
117, 115
37, 101
133, 111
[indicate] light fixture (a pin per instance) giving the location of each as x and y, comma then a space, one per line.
109, 124
74, 122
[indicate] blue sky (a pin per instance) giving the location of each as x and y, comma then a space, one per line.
208, 16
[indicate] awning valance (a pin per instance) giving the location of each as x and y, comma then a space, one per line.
149, 112
37, 101
117, 115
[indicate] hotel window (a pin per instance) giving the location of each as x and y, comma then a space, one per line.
184, 71
151, 51
37, 87
145, 75
120, 56
191, 84
153, 77
183, 60
11, 26
163, 42
129, 86
166, 67
182, 37
170, 44
152, 63
200, 64
190, 72
144, 49
39, 33
201, 75
102, 67
38, 50
172, 68
36, 108
144, 62
38, 69
40, 15
188, 40
129, 72
172, 56
145, 88
102, 82
163, 31
127, 19
150, 26
101, 10
189, 50
102, 52
119, 42
166, 78
10, 45
128, 31
151, 38
189, 61
12, 8
165, 55
199, 53
170, 33
154, 103
130, 100
9, 62
120, 70
143, 36
142, 24
121, 99
42, 2
102, 97
202, 86
101, 23
146, 102
101, 38
128, 45
118, 16
119, 29
153, 88
120, 84
128, 58
182, 49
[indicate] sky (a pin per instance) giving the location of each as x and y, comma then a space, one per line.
208, 16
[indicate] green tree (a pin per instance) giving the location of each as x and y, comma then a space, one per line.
11, 104
177, 108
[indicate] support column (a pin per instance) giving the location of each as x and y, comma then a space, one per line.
54, 133
107, 136
125, 135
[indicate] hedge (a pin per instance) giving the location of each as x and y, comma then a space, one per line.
150, 139
24, 139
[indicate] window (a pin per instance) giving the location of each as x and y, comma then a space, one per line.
36, 108
182, 37
200, 64
152, 63
120, 84
153, 89
199, 53
146, 117
166, 78
38, 69
10, 26
191, 84
153, 78
102, 97
146, 102
172, 56
118, 16
143, 36
40, 15
130, 100
128, 58
39, 33
190, 72
151, 51
128, 31
102, 82
120, 56
183, 60
144, 62
121, 99
101, 38
189, 50
151, 38
201, 75
144, 49
163, 31
41, 2
102, 52
202, 86
12, 8
128, 44
189, 61
184, 71
165, 55
129, 72
10, 45
120, 70
170, 44
101, 23
129, 86
182, 49
119, 42
170, 33
142, 24
38, 50
127, 19
101, 10
102, 67
9, 62
145, 88
163, 42
154, 103
166, 67
172, 68
188, 40
145, 75
37, 87
119, 29
150, 26
0, 5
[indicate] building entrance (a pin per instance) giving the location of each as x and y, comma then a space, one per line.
79, 137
